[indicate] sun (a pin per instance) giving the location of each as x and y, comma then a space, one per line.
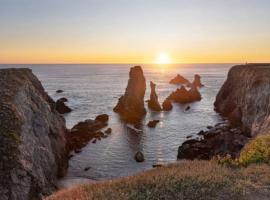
163, 58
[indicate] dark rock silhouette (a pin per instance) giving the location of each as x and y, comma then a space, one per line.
153, 103
179, 80
187, 108
104, 118
167, 105
131, 105
152, 124
184, 96
139, 157
33, 146
108, 131
62, 108
244, 98
59, 91
63, 99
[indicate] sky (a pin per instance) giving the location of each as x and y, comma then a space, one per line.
134, 31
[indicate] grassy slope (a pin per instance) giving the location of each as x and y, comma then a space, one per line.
184, 180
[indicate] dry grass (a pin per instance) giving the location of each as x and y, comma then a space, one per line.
185, 180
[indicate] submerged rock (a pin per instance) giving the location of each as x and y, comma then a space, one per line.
63, 99
139, 157
108, 131
167, 105
59, 91
61, 107
131, 105
153, 103
152, 124
33, 146
179, 80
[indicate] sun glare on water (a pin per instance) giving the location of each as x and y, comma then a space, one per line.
163, 59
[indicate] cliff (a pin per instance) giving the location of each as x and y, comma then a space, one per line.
245, 97
32, 138
130, 106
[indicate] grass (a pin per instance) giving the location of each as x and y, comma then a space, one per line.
198, 180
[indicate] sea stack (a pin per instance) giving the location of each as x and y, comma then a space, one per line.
33, 146
179, 80
130, 106
184, 96
197, 81
153, 103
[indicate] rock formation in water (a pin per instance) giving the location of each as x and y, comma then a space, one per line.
196, 82
153, 103
84, 131
153, 123
183, 95
179, 80
33, 145
130, 106
167, 105
61, 107
245, 97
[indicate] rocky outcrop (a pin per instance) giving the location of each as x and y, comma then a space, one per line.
153, 103
104, 118
61, 107
139, 157
33, 145
83, 132
131, 105
222, 140
183, 95
196, 82
153, 123
244, 98
179, 80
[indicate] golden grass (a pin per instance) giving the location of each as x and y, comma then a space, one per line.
198, 180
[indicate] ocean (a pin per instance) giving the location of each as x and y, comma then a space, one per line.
93, 89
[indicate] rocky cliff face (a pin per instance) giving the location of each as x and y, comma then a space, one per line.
32, 138
131, 105
245, 97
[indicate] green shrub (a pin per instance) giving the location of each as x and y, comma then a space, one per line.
257, 151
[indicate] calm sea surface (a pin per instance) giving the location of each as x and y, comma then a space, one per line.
95, 89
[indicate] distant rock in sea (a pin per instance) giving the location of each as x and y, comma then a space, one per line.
167, 105
33, 151
183, 95
196, 82
130, 106
153, 103
179, 80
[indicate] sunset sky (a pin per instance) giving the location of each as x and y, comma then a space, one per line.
134, 31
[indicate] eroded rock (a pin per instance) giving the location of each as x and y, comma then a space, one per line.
179, 80
153, 103
61, 107
130, 106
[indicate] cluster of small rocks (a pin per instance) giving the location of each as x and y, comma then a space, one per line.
222, 139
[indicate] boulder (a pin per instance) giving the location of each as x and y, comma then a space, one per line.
59, 91
104, 118
61, 107
63, 99
167, 105
179, 80
139, 157
152, 124
108, 131
130, 106
33, 151
153, 103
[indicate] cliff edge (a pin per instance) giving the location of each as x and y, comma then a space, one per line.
32, 138
245, 97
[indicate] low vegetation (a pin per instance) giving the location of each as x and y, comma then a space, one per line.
183, 180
